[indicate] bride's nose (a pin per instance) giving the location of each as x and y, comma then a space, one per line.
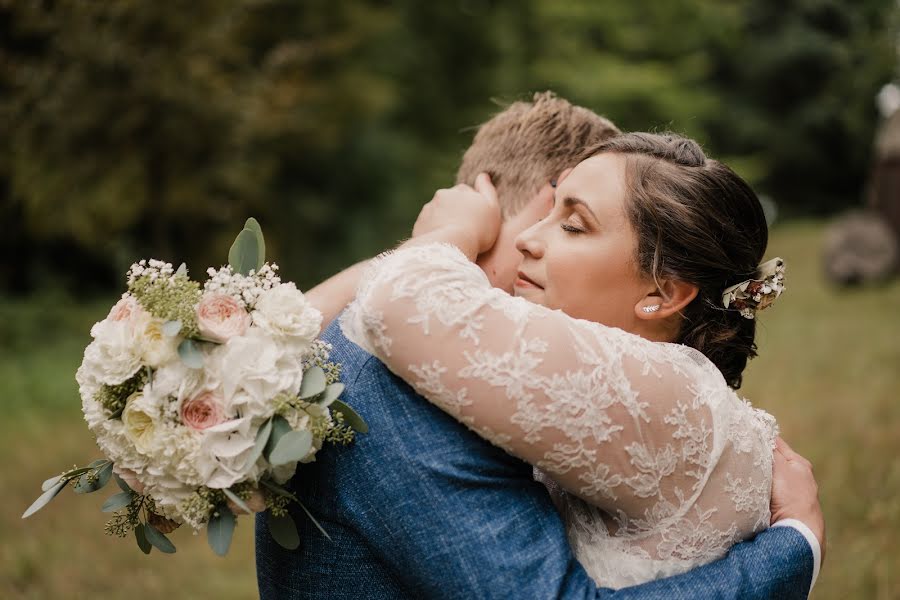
529, 242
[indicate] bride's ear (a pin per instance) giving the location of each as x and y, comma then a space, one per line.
671, 297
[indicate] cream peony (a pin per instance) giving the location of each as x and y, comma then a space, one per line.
221, 317
139, 421
157, 348
284, 311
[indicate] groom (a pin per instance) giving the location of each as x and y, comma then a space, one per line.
420, 507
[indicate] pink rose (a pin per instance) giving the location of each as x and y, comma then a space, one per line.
202, 412
221, 317
125, 309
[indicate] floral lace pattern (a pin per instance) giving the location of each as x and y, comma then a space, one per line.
656, 465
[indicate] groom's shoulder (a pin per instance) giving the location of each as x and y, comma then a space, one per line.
357, 365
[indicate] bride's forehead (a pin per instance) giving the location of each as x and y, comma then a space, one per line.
599, 181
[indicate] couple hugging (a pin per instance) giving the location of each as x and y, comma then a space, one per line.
547, 368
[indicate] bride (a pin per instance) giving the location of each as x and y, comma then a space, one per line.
613, 368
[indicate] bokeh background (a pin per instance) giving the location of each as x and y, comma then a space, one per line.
135, 129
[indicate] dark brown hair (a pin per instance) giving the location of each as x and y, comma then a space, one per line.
530, 143
699, 222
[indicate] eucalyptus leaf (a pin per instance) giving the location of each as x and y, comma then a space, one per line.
283, 530
253, 225
278, 489
313, 383
220, 530
44, 498
245, 253
331, 394
292, 446
141, 537
117, 501
50, 483
158, 539
314, 521
101, 474
121, 483
190, 354
171, 328
104, 475
350, 416
262, 438
237, 500
280, 427
96, 463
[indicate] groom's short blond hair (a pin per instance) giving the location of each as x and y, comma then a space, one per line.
530, 143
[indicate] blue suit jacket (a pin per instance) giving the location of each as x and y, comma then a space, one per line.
421, 507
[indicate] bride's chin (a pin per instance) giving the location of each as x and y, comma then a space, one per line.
528, 294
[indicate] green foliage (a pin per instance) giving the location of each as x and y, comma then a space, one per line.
114, 397
140, 129
169, 299
220, 530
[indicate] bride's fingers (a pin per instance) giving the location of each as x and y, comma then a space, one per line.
484, 186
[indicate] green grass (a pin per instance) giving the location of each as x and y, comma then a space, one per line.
828, 369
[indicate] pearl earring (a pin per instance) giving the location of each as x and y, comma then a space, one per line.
650, 309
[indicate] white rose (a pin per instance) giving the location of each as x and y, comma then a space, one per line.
257, 365
114, 355
140, 423
156, 348
284, 311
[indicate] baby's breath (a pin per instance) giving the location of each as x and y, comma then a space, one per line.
246, 289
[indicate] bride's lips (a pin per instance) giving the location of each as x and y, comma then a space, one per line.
523, 281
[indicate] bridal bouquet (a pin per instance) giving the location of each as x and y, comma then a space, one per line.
204, 398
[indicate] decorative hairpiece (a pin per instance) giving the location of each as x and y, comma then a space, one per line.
752, 295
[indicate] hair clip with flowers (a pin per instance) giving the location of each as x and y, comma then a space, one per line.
752, 295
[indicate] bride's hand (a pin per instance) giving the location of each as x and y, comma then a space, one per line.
474, 211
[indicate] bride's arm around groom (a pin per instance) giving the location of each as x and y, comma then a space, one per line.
424, 508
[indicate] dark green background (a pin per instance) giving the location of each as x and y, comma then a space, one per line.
136, 129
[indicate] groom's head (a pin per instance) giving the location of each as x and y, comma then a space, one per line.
523, 148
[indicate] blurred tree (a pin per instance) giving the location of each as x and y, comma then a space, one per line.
153, 129
799, 83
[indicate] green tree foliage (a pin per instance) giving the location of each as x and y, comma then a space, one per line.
154, 129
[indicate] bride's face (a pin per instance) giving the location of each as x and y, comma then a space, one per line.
581, 257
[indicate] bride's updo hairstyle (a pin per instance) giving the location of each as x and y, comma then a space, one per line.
695, 221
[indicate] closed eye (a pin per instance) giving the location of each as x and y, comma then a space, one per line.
570, 228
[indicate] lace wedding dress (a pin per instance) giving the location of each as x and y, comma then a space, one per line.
654, 462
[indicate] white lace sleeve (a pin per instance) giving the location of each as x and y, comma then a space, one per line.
634, 427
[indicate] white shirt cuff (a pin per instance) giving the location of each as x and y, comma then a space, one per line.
813, 544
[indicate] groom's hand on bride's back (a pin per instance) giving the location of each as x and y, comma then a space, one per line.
795, 493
